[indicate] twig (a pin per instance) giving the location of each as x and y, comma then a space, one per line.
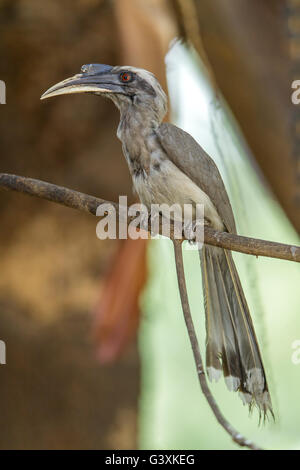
235, 435
87, 203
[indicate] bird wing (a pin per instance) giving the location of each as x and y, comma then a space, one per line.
192, 160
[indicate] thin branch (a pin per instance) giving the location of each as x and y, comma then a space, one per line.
87, 203
235, 435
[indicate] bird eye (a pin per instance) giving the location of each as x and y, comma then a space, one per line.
126, 77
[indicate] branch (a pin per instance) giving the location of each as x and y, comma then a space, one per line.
86, 203
235, 435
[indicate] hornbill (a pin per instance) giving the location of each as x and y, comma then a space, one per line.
168, 166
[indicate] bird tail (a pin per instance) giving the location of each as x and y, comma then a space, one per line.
231, 343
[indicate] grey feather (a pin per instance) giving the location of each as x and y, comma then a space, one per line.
190, 158
231, 342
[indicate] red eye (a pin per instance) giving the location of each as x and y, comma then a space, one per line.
126, 77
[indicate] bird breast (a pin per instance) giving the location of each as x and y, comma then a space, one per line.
163, 183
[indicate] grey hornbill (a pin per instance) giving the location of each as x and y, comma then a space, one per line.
168, 166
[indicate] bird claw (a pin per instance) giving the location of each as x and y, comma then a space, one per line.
193, 232
154, 222
150, 222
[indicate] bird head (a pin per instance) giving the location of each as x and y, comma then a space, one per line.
126, 86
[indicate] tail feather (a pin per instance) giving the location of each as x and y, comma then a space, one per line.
231, 344
213, 330
229, 359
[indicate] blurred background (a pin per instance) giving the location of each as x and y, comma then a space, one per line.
97, 353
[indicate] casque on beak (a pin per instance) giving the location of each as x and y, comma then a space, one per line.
94, 78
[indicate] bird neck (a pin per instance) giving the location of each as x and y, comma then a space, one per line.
137, 123
136, 131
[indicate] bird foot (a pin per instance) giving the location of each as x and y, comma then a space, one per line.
194, 232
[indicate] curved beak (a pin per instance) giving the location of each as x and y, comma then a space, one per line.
95, 78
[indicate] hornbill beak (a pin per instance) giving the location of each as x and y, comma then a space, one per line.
94, 78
